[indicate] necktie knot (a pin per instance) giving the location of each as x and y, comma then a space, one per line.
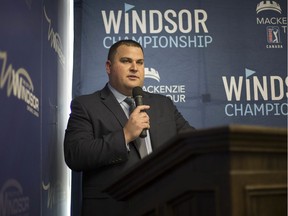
130, 102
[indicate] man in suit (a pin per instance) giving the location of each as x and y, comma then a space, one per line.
102, 137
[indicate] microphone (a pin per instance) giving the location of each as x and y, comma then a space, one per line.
137, 94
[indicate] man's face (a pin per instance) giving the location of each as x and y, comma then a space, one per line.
126, 70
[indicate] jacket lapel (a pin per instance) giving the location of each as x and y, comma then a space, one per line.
112, 104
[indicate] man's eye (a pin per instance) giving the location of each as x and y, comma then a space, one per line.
140, 62
125, 60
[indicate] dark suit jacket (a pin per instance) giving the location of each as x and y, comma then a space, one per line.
94, 143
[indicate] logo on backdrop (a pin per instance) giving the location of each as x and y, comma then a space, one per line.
12, 199
159, 29
152, 73
175, 92
18, 84
256, 96
55, 40
54, 192
275, 26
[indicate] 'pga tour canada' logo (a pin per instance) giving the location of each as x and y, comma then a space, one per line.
275, 21
12, 200
273, 34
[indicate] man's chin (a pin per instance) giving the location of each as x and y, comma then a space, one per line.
136, 84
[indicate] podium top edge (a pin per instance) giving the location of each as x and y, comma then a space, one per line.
236, 129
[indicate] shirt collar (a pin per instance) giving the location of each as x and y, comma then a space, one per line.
119, 97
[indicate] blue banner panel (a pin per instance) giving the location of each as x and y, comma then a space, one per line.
20, 110
220, 62
54, 67
34, 179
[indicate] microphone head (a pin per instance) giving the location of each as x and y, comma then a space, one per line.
137, 91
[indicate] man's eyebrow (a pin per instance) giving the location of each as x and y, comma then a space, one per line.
124, 57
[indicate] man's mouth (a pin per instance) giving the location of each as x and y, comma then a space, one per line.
133, 77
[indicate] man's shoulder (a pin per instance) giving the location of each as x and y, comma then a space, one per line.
87, 96
155, 96
94, 95
88, 100
157, 99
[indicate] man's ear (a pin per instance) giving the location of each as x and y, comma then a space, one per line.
108, 66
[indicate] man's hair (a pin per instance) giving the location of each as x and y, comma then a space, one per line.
114, 47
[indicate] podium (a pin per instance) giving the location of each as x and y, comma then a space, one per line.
234, 170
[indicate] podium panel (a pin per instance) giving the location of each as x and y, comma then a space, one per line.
227, 171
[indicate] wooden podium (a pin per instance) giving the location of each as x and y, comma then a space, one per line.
228, 171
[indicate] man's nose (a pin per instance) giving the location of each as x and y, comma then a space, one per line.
134, 66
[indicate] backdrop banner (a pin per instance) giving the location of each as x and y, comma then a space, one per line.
221, 63
33, 44
20, 96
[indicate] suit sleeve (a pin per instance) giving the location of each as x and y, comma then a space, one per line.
166, 121
182, 124
87, 145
